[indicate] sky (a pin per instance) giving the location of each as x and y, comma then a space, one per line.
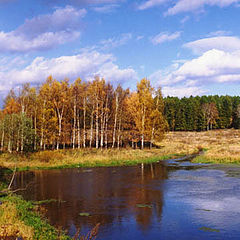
187, 47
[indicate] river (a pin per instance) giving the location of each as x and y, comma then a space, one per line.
164, 200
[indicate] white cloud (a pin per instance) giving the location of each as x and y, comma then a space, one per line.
106, 8
43, 32
191, 77
224, 43
186, 5
97, 1
214, 66
12, 43
182, 91
190, 5
115, 42
85, 65
219, 33
140, 37
165, 37
150, 4
185, 19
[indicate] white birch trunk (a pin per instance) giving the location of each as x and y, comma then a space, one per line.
84, 122
91, 131
115, 121
74, 124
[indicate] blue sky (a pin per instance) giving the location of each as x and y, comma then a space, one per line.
188, 47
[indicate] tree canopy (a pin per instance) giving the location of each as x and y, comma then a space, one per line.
61, 114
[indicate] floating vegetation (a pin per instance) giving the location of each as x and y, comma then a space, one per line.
205, 210
144, 206
87, 170
46, 201
208, 229
84, 214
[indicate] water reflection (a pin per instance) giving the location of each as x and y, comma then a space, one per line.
114, 197
170, 200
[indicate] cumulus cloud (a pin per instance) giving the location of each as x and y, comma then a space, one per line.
150, 4
97, 1
186, 5
225, 43
190, 77
182, 91
115, 42
190, 5
106, 8
165, 37
44, 31
219, 33
214, 66
85, 65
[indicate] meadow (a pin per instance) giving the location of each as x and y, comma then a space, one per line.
220, 146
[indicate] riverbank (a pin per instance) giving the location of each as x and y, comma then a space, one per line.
220, 146
90, 158
20, 218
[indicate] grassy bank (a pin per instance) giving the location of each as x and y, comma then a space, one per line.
19, 218
89, 157
222, 146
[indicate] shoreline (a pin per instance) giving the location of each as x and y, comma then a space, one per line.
62, 159
23, 219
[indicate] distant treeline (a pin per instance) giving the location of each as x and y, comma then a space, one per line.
58, 114
202, 113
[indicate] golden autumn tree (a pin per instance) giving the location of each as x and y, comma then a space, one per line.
145, 99
158, 123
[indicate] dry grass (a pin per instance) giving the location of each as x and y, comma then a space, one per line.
221, 146
86, 157
11, 225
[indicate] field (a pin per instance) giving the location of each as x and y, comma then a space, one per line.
221, 146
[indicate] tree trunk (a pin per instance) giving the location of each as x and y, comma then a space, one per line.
9, 146
106, 133
119, 132
143, 127
59, 131
74, 124
91, 131
35, 130
84, 122
17, 146
102, 126
42, 128
79, 131
9, 137
22, 132
97, 126
152, 137
115, 122
2, 140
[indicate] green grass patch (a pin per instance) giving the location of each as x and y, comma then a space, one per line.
208, 229
144, 205
84, 214
209, 160
25, 212
99, 163
46, 201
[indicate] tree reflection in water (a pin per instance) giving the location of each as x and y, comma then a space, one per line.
110, 195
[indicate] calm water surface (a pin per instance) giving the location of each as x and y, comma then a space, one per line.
160, 201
